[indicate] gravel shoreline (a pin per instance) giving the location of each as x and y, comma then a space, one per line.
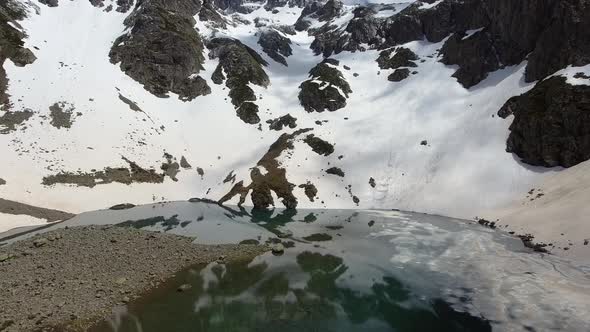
66, 280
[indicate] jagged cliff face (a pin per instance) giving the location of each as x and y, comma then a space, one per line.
291, 103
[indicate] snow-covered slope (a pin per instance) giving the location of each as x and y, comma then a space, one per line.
425, 143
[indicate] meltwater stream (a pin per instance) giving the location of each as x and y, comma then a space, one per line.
346, 270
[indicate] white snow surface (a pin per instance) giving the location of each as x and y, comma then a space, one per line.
10, 221
462, 171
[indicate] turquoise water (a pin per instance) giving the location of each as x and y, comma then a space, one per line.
346, 270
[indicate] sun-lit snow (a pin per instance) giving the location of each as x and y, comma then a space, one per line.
462, 171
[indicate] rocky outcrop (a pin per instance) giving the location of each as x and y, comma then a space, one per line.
49, 3
283, 121
361, 30
395, 58
274, 180
565, 40
475, 55
320, 12
162, 50
318, 145
399, 75
325, 90
123, 6
551, 124
277, 46
210, 14
272, 4
11, 44
239, 65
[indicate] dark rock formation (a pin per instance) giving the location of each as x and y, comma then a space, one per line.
362, 29
11, 44
565, 40
242, 65
272, 4
275, 178
310, 190
210, 14
335, 171
275, 45
551, 124
123, 6
318, 145
399, 75
162, 50
49, 3
283, 121
475, 55
323, 12
325, 94
402, 57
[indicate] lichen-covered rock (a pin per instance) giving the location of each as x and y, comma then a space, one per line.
551, 124
242, 66
277, 47
162, 49
325, 90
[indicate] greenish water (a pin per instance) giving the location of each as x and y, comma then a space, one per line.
279, 294
346, 270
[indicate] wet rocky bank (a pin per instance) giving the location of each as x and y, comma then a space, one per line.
66, 280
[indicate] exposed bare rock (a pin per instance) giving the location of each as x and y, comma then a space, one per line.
310, 190
335, 171
283, 121
325, 90
402, 57
11, 44
274, 180
16, 208
209, 13
275, 45
474, 54
49, 3
243, 66
318, 145
126, 175
272, 4
323, 12
551, 124
361, 30
399, 75
162, 50
62, 115
12, 120
184, 163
